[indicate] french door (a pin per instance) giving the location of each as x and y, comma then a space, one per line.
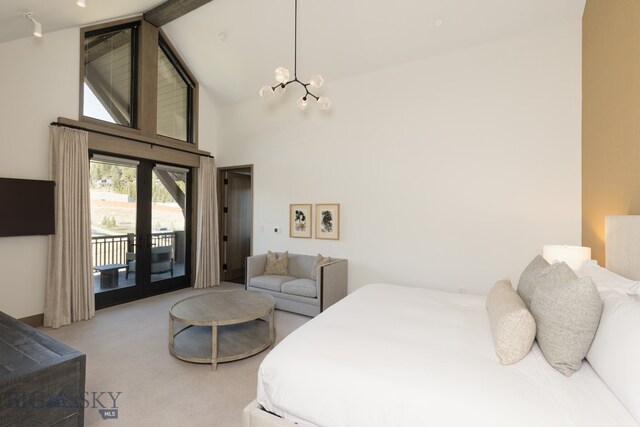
140, 213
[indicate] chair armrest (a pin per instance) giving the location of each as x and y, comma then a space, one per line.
255, 266
333, 281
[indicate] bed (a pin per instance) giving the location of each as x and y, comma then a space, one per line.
390, 355
397, 356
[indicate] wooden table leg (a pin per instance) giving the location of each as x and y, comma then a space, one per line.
272, 327
214, 346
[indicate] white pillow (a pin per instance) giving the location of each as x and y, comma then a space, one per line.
607, 280
615, 351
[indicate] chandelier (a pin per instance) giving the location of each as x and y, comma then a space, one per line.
282, 77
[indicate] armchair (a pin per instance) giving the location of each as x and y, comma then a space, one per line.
161, 261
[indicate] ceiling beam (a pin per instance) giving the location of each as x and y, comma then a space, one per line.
172, 188
171, 10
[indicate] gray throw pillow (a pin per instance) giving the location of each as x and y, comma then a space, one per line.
567, 317
525, 285
512, 326
539, 272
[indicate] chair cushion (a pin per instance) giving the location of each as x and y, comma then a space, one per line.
301, 287
270, 282
300, 265
277, 264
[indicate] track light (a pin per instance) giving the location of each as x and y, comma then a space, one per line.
37, 27
82, 3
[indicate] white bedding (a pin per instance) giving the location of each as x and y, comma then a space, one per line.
396, 356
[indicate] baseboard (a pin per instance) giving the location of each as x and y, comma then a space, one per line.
36, 320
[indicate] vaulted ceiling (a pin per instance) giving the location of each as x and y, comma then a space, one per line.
233, 46
59, 14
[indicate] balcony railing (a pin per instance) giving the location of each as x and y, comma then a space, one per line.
113, 249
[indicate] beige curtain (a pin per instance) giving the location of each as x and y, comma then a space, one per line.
69, 287
207, 247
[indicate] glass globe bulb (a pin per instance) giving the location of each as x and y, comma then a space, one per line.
303, 104
316, 80
266, 92
324, 102
282, 75
279, 90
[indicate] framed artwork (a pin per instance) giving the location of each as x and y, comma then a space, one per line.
328, 221
300, 221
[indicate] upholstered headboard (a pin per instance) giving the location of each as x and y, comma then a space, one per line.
622, 245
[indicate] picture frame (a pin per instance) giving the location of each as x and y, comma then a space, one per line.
300, 220
328, 221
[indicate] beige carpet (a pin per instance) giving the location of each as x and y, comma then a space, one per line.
127, 351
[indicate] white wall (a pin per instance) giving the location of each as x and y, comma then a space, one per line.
38, 84
208, 124
451, 171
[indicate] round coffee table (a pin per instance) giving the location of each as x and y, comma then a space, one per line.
221, 326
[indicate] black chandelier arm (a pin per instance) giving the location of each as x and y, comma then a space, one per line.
295, 80
283, 85
311, 95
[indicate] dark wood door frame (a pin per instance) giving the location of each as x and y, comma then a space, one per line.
221, 173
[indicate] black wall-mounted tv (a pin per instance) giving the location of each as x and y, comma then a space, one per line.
26, 207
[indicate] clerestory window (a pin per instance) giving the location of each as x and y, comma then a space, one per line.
132, 76
110, 63
175, 96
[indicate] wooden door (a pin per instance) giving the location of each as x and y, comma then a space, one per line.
236, 240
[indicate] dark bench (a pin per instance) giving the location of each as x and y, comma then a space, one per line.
42, 381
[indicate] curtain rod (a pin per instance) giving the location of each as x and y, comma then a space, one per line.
152, 144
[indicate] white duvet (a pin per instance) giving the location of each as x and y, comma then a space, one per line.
397, 356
